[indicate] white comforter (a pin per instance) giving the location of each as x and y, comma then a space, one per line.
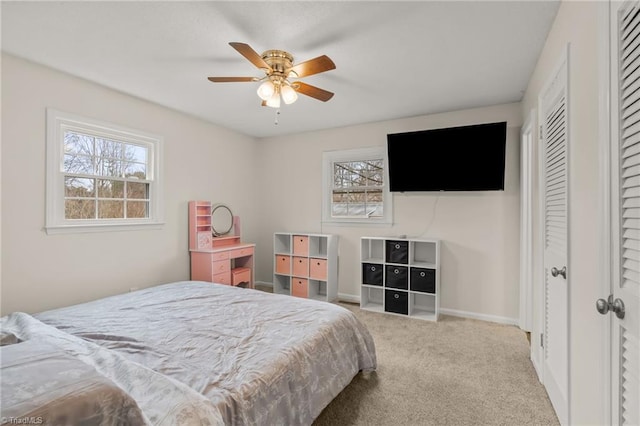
239, 356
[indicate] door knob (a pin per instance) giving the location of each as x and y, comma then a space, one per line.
555, 272
602, 306
616, 306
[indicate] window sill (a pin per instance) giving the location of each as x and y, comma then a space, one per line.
358, 222
102, 227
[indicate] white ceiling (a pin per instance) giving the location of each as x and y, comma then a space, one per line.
393, 59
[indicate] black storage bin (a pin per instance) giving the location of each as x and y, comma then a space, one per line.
372, 273
397, 251
396, 277
396, 301
423, 280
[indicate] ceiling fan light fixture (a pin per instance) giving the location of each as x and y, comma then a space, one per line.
266, 90
279, 68
274, 100
289, 95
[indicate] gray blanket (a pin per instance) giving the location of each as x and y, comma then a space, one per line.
237, 356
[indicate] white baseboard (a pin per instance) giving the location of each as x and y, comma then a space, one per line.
349, 298
353, 298
483, 317
453, 312
537, 368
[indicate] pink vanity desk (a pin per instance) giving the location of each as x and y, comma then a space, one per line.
223, 260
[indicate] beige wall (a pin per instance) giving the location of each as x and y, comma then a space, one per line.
41, 271
577, 24
280, 192
479, 231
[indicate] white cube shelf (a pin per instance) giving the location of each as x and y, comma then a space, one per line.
400, 276
306, 265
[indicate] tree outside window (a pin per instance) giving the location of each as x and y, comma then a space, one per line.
355, 187
101, 176
104, 179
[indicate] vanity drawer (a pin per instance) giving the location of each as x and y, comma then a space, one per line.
301, 245
223, 278
220, 266
223, 255
300, 266
283, 264
299, 287
318, 269
247, 251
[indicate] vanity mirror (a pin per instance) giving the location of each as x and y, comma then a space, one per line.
221, 220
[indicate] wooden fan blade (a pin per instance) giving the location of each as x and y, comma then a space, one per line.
231, 79
314, 66
313, 91
253, 57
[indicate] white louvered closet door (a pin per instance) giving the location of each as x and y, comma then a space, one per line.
554, 159
625, 211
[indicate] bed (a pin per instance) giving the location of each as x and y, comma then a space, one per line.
184, 353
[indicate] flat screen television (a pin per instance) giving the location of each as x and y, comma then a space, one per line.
465, 158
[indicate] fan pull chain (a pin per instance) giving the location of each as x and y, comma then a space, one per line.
276, 119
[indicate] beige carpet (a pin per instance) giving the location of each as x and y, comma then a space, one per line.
452, 372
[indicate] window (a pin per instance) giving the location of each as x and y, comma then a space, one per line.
355, 187
100, 176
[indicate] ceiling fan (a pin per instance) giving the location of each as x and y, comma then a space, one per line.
279, 68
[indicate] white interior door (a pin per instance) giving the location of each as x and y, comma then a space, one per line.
625, 214
554, 132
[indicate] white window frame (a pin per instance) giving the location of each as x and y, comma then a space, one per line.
358, 154
57, 123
